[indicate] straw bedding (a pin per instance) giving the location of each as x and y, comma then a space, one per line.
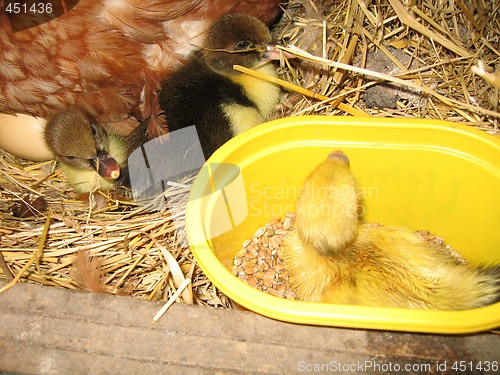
443, 53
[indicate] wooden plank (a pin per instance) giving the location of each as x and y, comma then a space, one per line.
46, 330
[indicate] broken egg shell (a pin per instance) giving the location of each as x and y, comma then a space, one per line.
22, 136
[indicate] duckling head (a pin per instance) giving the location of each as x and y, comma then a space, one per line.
327, 216
77, 140
238, 39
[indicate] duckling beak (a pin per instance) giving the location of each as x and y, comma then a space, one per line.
106, 165
272, 52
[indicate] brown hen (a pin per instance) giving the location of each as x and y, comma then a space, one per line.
108, 57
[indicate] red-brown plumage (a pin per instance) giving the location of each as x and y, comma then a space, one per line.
107, 56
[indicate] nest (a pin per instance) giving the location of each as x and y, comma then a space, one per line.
50, 236
440, 61
437, 59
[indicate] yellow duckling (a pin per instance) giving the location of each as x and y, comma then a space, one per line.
333, 258
89, 156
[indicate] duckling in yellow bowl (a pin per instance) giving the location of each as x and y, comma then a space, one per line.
333, 258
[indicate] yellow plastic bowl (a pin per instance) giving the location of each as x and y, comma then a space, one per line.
422, 174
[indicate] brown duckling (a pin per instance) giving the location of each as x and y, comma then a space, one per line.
90, 157
333, 258
208, 93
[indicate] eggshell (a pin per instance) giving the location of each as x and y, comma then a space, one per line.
22, 136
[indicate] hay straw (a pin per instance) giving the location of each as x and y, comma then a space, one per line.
405, 17
172, 299
441, 41
384, 77
179, 280
290, 86
33, 259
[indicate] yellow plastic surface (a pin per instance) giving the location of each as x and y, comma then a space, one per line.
422, 174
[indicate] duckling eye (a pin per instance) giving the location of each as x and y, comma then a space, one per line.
94, 130
69, 159
243, 45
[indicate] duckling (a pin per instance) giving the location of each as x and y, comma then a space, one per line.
90, 157
333, 258
208, 93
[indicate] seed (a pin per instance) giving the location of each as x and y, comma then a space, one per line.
278, 225
270, 231
237, 262
251, 262
240, 253
262, 253
287, 223
249, 270
279, 267
281, 289
265, 241
268, 283
259, 274
273, 221
269, 275
252, 252
273, 262
273, 243
259, 232
252, 281
280, 253
275, 293
246, 243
